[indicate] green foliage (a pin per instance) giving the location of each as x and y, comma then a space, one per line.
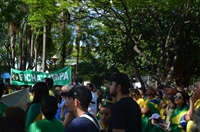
44, 11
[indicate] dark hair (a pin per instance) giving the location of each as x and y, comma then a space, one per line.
49, 82
143, 89
91, 86
136, 91
17, 113
184, 98
159, 120
8, 124
160, 94
171, 98
40, 89
49, 106
124, 88
106, 106
2, 88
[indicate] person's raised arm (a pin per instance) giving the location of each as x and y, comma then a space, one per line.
68, 119
191, 110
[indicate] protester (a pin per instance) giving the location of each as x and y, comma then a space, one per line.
169, 109
56, 92
3, 107
156, 120
151, 107
177, 122
78, 100
194, 105
16, 113
50, 82
100, 93
33, 113
105, 113
93, 104
8, 124
142, 93
196, 119
135, 94
125, 115
109, 101
62, 109
49, 123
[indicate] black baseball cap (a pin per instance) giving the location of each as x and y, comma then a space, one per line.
82, 93
120, 78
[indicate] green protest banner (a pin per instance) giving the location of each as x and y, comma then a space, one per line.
30, 77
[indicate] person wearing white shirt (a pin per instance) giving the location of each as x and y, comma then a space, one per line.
93, 104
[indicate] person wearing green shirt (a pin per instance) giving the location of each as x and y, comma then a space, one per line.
151, 107
177, 122
49, 123
33, 113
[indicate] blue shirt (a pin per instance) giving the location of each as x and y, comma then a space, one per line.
81, 124
59, 110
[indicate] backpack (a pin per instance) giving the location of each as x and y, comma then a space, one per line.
94, 120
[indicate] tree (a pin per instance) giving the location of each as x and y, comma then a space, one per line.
149, 31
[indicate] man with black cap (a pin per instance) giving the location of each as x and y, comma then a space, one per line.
77, 101
126, 115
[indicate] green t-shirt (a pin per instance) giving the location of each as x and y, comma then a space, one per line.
3, 107
46, 126
33, 114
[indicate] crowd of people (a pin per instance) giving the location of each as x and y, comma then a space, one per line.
120, 108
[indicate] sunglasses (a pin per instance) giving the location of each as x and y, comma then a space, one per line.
178, 97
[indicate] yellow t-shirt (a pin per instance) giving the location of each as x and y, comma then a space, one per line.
162, 110
140, 102
191, 123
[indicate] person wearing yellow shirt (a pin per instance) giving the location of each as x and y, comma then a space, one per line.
194, 105
136, 96
49, 83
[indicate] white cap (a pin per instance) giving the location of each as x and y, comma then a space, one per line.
155, 116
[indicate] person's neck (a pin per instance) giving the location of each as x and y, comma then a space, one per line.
120, 96
105, 123
150, 97
80, 112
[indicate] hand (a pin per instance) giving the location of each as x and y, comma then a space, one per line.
64, 107
193, 98
187, 117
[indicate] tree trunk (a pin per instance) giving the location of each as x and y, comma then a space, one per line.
12, 43
31, 40
44, 49
63, 47
78, 49
20, 50
36, 64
